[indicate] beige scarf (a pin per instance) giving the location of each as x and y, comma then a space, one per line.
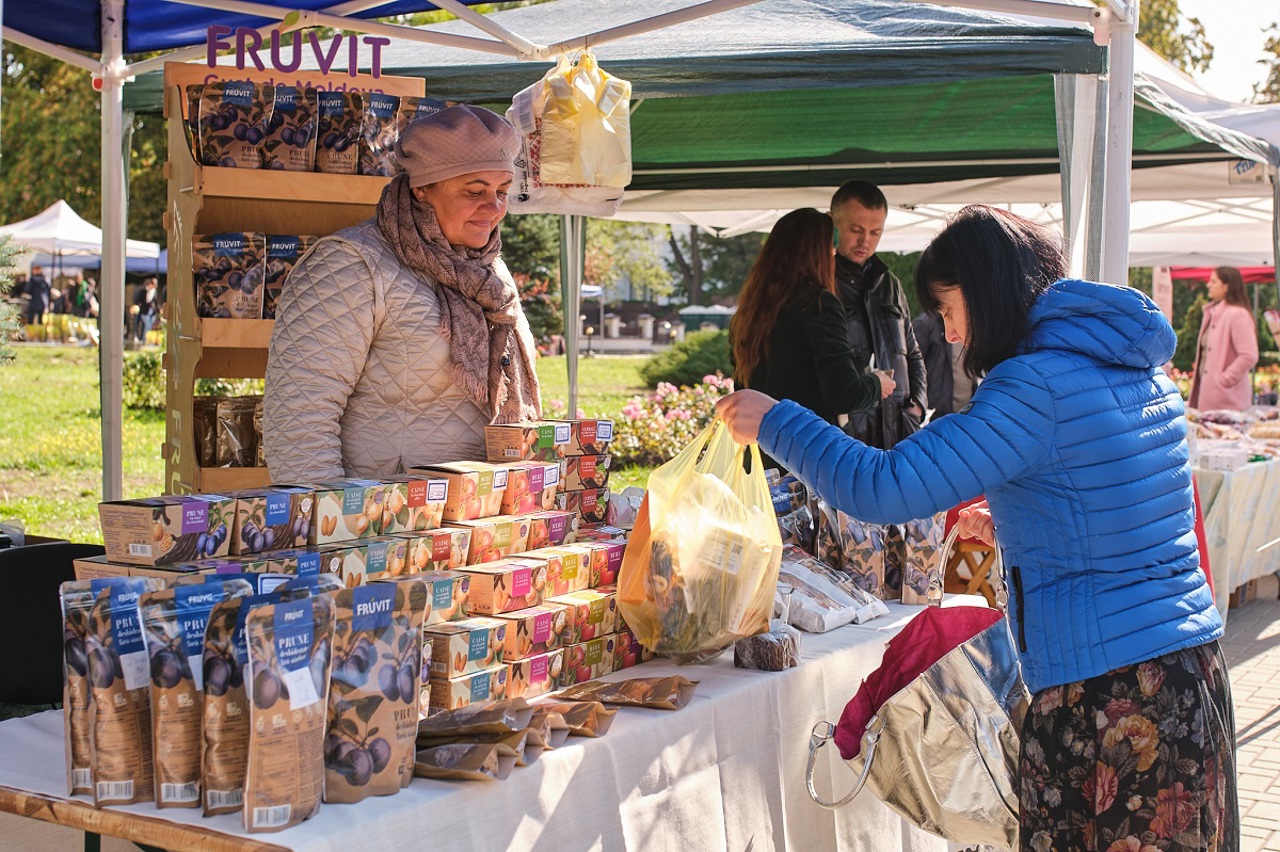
490, 346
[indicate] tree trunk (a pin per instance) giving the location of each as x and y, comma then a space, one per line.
695, 262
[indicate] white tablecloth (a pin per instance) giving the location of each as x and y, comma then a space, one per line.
1242, 525
724, 773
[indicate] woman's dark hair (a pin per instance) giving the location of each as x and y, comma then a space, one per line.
1001, 263
796, 257
1236, 294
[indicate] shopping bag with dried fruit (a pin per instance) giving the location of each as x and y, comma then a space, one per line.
702, 562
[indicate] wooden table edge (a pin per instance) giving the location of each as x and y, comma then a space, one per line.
137, 828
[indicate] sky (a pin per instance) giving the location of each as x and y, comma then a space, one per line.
1235, 29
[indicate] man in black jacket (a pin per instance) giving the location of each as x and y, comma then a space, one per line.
878, 318
949, 386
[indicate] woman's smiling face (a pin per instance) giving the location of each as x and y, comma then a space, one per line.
468, 207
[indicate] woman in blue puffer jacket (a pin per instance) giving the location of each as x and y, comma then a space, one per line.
1077, 439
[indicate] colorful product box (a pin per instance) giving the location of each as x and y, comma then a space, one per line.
552, 529
628, 652
533, 631
495, 538
535, 675
300, 562
606, 561
271, 518
589, 614
588, 437
531, 487
603, 533
447, 593
416, 503
165, 530
438, 550
506, 585
475, 488
455, 693
543, 440
357, 562
348, 509
568, 568
582, 472
591, 505
620, 622
96, 567
587, 660
463, 647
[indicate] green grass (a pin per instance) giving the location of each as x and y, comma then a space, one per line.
51, 434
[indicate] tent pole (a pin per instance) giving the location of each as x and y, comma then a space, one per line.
1119, 150
111, 350
1275, 232
573, 230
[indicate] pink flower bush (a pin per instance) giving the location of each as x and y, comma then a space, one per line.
651, 429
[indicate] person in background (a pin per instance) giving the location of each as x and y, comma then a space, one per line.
1077, 439
38, 293
148, 310
877, 316
788, 336
19, 287
1228, 349
399, 339
949, 385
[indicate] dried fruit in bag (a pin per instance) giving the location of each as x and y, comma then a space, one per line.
661, 693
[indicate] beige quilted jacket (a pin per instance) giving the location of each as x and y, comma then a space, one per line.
358, 377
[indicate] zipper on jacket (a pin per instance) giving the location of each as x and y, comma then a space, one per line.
1016, 575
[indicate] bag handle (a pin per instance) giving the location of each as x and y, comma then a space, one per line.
934, 590
824, 732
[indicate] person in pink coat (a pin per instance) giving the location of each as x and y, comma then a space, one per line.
1228, 348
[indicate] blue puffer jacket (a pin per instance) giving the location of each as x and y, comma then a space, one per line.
1078, 443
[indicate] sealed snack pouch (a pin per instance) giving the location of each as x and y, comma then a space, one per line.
921, 549
374, 690
701, 565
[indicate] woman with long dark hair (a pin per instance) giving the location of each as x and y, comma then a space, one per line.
788, 335
1077, 439
1228, 349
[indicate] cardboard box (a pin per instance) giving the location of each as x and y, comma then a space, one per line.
628, 652
581, 472
544, 440
358, 562
463, 647
587, 660
271, 518
535, 675
166, 530
589, 614
531, 487
1243, 594
300, 562
588, 437
438, 550
532, 631
97, 567
591, 505
416, 503
454, 693
606, 561
552, 529
506, 585
495, 538
604, 532
447, 593
347, 509
475, 488
568, 568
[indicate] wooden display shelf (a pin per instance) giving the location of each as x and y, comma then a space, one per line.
298, 187
230, 478
236, 333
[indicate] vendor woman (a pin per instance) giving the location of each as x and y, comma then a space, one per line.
397, 340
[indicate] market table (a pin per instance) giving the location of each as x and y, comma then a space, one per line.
1242, 524
725, 772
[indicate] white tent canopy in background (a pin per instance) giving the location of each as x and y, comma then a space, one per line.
59, 230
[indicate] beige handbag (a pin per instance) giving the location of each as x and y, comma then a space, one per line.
934, 732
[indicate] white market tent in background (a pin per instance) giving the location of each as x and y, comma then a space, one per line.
59, 230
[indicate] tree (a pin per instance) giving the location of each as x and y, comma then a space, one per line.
711, 266
617, 249
1268, 91
688, 270
1179, 39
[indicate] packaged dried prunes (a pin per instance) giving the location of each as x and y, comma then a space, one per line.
290, 142
228, 271
340, 116
378, 135
662, 693
236, 435
234, 117
283, 252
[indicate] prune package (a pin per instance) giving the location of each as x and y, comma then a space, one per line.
290, 143
226, 703
774, 651
192, 122
236, 438
795, 517
488, 717
525, 746
77, 601
339, 118
921, 551
120, 707
378, 135
228, 271
234, 117
374, 690
283, 252
173, 623
288, 680
662, 693
465, 762
412, 109
204, 414
582, 718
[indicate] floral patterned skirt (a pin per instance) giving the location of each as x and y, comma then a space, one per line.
1139, 759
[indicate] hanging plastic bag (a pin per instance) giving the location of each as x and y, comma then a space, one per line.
702, 563
586, 126
529, 193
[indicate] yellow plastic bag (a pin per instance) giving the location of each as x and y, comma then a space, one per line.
586, 126
702, 563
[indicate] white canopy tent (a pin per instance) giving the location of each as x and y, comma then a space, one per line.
59, 230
